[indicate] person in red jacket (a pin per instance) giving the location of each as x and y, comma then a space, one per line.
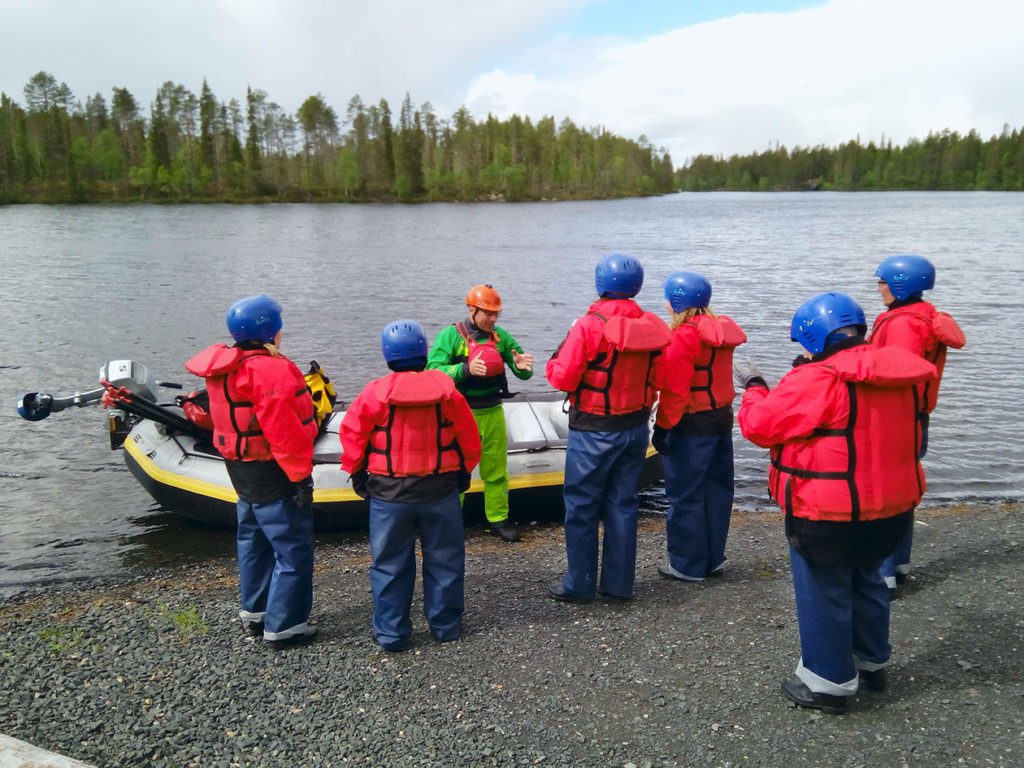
607, 365
693, 429
844, 443
264, 427
409, 441
912, 323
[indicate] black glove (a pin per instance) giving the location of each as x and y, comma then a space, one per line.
304, 492
660, 440
465, 478
359, 479
747, 375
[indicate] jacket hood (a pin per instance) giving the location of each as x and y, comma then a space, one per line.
881, 367
616, 308
216, 360
414, 387
721, 331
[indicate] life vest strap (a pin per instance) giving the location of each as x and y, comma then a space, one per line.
848, 475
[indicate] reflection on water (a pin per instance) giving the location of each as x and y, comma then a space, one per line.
152, 284
166, 539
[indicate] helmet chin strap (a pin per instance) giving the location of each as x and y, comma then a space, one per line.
473, 312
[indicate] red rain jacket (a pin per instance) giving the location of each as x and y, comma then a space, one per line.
925, 331
407, 424
260, 407
696, 370
843, 434
606, 363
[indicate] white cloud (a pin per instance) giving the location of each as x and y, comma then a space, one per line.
898, 68
291, 50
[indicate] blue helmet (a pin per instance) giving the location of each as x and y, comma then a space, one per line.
907, 275
817, 318
254, 318
687, 289
618, 275
403, 341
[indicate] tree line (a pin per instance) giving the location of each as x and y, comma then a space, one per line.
945, 160
188, 147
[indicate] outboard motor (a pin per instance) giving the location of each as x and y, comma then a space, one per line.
130, 375
123, 375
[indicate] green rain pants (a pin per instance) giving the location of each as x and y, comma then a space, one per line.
493, 461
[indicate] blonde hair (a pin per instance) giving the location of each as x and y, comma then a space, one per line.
678, 318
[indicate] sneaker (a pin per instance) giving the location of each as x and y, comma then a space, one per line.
666, 570
505, 530
303, 634
802, 696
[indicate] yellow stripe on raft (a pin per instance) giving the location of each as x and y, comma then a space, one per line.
213, 490
320, 495
328, 495
162, 476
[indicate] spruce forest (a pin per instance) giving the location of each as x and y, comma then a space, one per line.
945, 160
189, 148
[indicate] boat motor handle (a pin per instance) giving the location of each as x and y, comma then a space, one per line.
36, 406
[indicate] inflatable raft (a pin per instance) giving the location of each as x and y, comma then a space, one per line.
175, 462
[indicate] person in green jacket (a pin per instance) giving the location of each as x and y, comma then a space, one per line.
474, 353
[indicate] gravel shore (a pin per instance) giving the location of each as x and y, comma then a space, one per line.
156, 670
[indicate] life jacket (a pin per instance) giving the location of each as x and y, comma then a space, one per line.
196, 405
712, 385
618, 380
866, 466
487, 351
416, 438
938, 331
237, 434
322, 392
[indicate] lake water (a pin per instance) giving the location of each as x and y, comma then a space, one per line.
81, 285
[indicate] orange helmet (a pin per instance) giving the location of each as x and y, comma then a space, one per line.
484, 297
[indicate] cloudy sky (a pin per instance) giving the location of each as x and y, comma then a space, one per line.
694, 76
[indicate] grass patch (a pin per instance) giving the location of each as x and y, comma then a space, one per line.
62, 639
186, 620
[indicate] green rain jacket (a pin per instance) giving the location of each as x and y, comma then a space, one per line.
450, 354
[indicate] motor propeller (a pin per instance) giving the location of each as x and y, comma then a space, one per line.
36, 406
